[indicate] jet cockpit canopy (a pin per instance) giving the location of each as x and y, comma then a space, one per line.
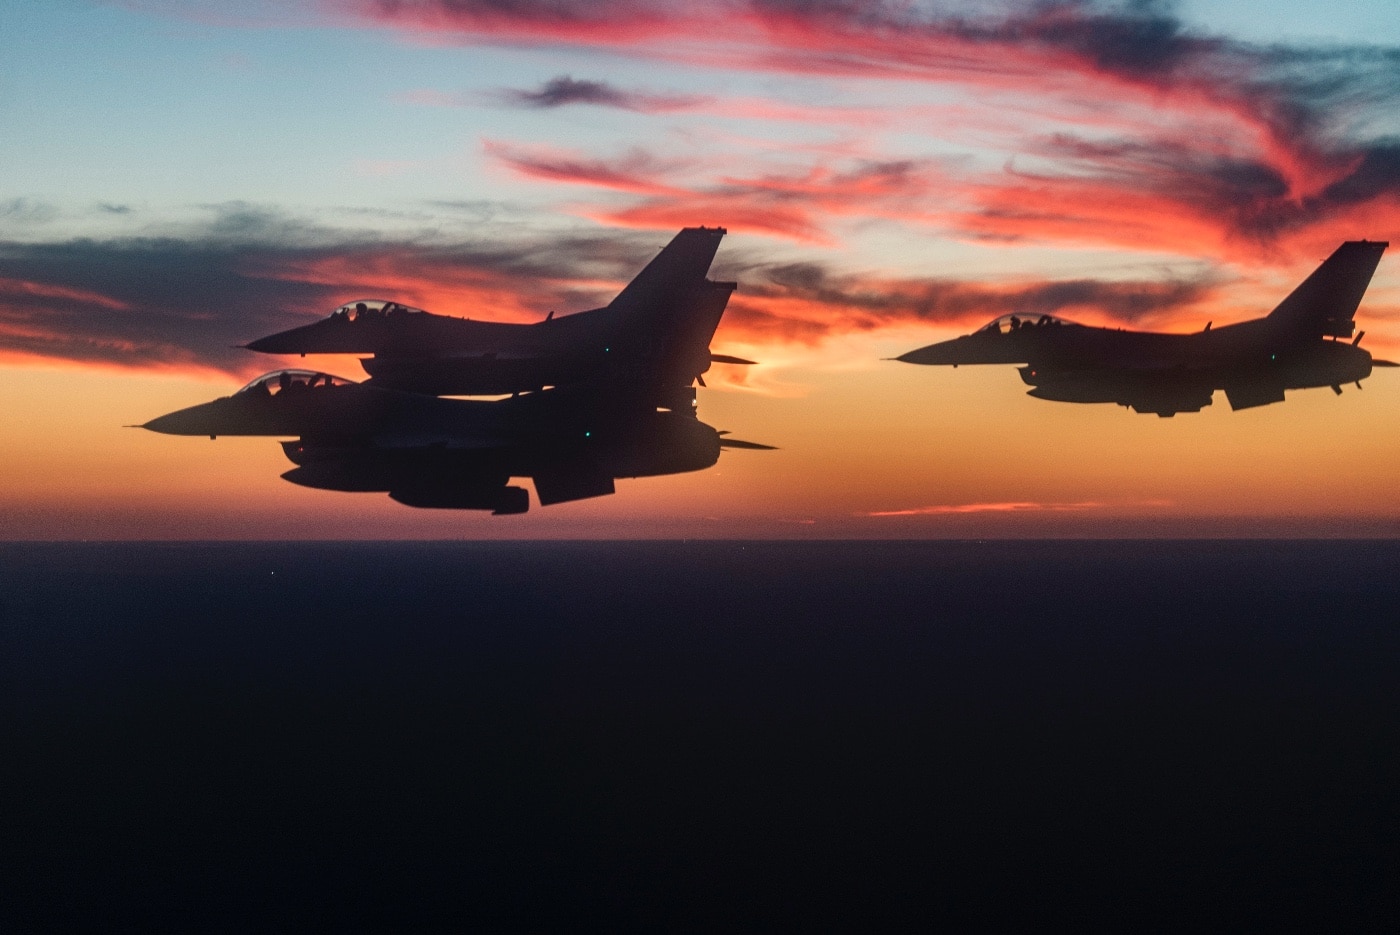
1018, 320
284, 381
365, 309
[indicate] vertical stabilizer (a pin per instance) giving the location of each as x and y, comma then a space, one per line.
674, 272
667, 315
1323, 306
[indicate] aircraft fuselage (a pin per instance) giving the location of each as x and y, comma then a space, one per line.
1296, 346
654, 334
427, 451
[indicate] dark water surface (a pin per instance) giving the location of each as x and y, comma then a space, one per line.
702, 736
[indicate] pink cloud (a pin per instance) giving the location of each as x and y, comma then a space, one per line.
1009, 507
1220, 145
635, 172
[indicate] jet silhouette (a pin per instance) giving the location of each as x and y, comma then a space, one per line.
619, 403
655, 334
1296, 346
425, 451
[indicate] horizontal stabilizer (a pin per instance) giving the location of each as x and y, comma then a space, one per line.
577, 481
729, 359
1249, 395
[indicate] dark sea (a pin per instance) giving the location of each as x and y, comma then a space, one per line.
700, 736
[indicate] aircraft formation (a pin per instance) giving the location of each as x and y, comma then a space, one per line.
593, 397
610, 392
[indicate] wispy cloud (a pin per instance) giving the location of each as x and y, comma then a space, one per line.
1212, 143
1014, 506
808, 301
637, 171
1010, 507
175, 301
251, 270
793, 204
561, 91
27, 211
1143, 130
564, 90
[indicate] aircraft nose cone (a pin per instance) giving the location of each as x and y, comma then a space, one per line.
168, 424
312, 338
933, 354
292, 341
196, 420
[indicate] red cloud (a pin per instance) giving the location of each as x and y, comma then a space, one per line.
1251, 142
18, 289
1010, 507
1155, 195
804, 302
165, 303
791, 205
636, 172
733, 211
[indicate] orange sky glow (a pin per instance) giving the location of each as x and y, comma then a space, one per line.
887, 181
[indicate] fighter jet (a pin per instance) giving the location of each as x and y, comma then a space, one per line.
1296, 346
655, 335
425, 451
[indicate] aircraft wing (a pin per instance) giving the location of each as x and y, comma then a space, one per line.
1247, 394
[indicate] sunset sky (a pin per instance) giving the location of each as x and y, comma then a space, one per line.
177, 178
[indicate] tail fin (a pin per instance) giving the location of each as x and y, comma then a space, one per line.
662, 355
678, 268
1323, 306
668, 313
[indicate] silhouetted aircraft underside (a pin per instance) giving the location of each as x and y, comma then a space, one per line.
595, 396
1299, 345
452, 453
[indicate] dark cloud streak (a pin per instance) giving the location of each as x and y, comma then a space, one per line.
170, 303
157, 302
27, 211
564, 90
856, 303
1251, 198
